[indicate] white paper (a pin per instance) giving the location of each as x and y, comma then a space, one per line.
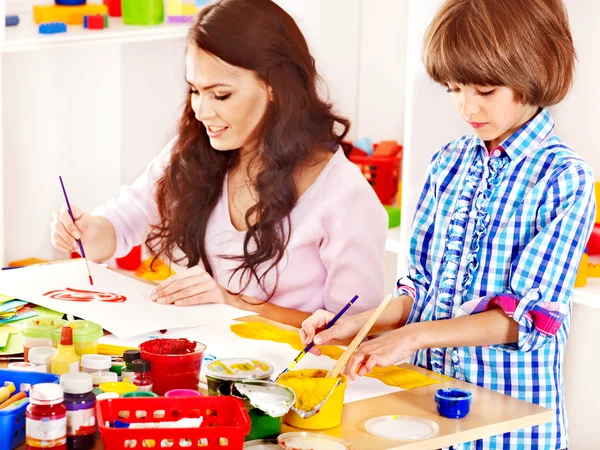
136, 315
221, 342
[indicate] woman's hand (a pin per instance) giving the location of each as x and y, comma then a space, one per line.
191, 287
383, 351
339, 334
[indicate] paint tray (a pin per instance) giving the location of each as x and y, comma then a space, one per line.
225, 422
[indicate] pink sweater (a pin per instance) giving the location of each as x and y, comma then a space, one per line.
336, 249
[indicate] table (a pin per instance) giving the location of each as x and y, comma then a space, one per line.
491, 413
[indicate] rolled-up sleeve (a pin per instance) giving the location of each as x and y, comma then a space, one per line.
542, 276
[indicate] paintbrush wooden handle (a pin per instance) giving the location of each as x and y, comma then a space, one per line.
335, 372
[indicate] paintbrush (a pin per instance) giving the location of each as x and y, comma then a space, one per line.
343, 360
73, 219
309, 346
10, 358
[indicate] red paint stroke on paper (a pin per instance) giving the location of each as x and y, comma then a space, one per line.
78, 295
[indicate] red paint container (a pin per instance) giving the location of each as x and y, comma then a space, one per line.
174, 363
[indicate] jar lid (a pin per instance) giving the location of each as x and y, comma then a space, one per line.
22, 366
41, 355
42, 327
303, 440
131, 355
99, 362
263, 444
120, 387
239, 369
401, 428
76, 383
106, 377
46, 394
273, 399
83, 331
107, 395
140, 365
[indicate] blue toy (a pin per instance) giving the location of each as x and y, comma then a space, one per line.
11, 21
365, 144
53, 27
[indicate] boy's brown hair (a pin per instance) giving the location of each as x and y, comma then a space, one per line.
522, 44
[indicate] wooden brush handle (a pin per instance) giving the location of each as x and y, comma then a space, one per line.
335, 372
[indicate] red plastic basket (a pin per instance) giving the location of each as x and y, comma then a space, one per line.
224, 426
382, 172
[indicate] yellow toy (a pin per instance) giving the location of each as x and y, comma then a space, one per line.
71, 15
154, 272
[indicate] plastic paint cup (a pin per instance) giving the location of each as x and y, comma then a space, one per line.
453, 403
183, 393
85, 336
39, 332
330, 414
174, 363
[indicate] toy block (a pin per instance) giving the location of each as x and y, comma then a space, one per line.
114, 7
142, 12
386, 148
393, 216
597, 194
365, 144
11, 21
96, 22
593, 270
593, 244
71, 15
53, 28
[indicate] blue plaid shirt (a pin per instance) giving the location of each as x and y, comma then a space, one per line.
506, 229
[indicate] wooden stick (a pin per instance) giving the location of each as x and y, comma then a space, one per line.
335, 372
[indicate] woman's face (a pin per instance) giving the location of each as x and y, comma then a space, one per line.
229, 101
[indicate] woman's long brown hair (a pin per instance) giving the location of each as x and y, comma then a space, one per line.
259, 36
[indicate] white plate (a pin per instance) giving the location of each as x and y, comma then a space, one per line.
402, 428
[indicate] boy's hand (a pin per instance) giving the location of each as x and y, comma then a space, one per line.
385, 350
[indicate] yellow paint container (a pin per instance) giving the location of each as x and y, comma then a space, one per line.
330, 414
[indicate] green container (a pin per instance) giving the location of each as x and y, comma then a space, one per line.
143, 12
140, 394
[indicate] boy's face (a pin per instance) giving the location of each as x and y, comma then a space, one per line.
494, 112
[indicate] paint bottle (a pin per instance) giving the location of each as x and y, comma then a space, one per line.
46, 418
141, 375
42, 357
98, 366
65, 360
129, 356
80, 403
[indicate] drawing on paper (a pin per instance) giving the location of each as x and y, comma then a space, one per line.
78, 295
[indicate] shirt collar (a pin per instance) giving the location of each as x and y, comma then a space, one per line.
529, 136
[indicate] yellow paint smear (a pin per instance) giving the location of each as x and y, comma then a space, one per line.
392, 376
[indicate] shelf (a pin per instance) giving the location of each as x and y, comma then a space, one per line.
25, 36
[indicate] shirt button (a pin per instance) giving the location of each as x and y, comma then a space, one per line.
534, 295
496, 153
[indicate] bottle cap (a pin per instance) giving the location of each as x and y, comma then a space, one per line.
76, 383
130, 355
141, 365
46, 394
66, 336
97, 362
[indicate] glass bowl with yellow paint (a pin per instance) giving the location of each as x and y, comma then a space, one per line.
222, 373
319, 400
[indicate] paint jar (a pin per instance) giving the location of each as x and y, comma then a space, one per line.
222, 373
41, 357
329, 401
39, 332
98, 366
267, 403
141, 375
119, 387
80, 403
85, 336
453, 403
138, 394
23, 366
129, 356
174, 363
46, 418
183, 393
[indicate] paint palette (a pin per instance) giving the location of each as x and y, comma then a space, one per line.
401, 428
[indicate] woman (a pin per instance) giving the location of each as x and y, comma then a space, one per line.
254, 194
